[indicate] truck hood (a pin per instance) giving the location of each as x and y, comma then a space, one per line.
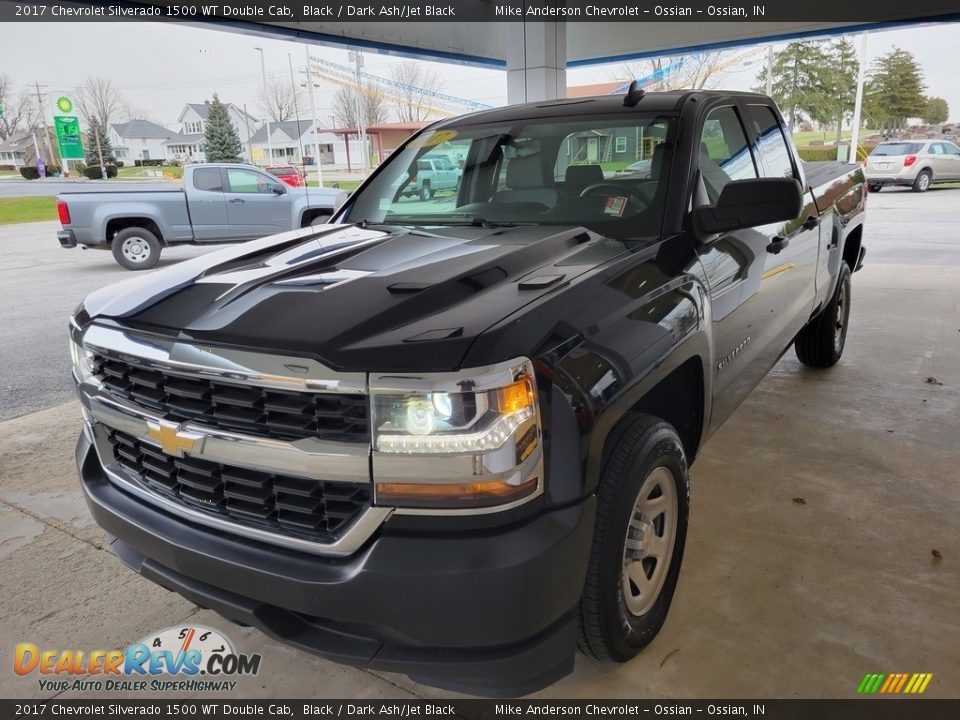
379, 297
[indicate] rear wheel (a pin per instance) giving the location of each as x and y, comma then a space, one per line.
922, 182
821, 342
425, 192
136, 248
642, 508
875, 188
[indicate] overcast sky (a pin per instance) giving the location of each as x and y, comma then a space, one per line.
160, 67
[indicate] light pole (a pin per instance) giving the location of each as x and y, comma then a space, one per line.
313, 120
357, 59
266, 103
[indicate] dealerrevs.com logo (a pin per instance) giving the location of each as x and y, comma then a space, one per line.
177, 659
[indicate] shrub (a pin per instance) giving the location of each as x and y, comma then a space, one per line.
29, 172
173, 163
94, 173
119, 163
147, 163
814, 154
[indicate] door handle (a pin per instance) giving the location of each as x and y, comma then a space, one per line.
811, 222
237, 200
778, 244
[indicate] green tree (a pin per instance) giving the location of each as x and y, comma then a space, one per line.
895, 90
936, 112
840, 81
799, 83
221, 143
96, 132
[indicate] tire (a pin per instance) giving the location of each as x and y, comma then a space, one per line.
320, 219
922, 181
821, 342
875, 188
425, 192
136, 248
645, 458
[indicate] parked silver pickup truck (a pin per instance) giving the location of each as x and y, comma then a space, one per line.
217, 203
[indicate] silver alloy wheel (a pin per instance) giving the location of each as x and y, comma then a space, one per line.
923, 182
840, 321
648, 546
136, 249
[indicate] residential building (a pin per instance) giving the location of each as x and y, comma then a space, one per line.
187, 145
139, 140
20, 148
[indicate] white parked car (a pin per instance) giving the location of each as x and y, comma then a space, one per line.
913, 163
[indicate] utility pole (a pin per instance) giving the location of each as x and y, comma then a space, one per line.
46, 129
313, 120
266, 99
246, 122
769, 70
103, 165
357, 59
858, 103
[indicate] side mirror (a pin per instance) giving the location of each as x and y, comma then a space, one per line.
749, 203
280, 189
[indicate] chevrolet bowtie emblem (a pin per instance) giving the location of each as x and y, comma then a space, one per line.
172, 439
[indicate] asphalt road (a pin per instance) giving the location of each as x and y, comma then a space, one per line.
41, 284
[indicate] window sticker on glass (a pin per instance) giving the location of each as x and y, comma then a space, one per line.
615, 205
431, 139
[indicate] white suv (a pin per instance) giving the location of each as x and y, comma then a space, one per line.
913, 163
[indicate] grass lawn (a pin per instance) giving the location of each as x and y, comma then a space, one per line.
27, 209
348, 185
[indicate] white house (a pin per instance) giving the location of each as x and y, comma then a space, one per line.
187, 145
139, 140
288, 137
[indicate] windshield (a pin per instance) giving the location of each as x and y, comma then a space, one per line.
903, 148
533, 172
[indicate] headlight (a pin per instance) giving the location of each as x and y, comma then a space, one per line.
82, 361
469, 440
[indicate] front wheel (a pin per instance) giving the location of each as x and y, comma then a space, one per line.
136, 248
426, 193
821, 342
643, 503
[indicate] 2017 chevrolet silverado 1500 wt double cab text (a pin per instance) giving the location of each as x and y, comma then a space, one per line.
452, 438
218, 203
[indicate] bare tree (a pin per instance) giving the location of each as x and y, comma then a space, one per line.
19, 111
700, 71
98, 100
411, 103
138, 112
280, 101
373, 101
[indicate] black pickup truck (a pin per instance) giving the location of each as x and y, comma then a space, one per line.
451, 437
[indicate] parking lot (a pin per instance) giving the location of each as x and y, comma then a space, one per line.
810, 556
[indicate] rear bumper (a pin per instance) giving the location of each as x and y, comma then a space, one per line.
66, 238
890, 180
488, 613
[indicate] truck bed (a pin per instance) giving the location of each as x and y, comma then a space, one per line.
824, 171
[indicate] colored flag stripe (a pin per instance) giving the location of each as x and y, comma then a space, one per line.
862, 688
926, 681
913, 681
903, 680
876, 683
890, 680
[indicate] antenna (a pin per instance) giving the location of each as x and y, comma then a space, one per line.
634, 94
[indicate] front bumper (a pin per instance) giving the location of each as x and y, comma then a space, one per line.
490, 613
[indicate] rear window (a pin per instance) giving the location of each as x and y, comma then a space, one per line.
903, 148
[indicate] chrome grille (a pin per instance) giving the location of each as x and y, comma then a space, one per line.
251, 409
288, 505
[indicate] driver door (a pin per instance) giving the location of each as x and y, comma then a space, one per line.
253, 208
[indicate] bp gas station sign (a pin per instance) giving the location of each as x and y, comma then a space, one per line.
67, 128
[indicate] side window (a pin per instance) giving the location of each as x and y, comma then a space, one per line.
936, 149
248, 181
951, 149
424, 166
724, 153
207, 179
773, 144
